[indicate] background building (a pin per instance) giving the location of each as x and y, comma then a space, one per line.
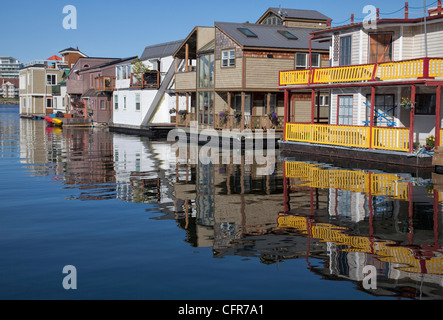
9, 67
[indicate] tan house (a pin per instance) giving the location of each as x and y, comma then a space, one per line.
230, 72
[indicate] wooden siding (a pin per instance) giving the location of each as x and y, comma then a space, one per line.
264, 72
204, 36
230, 77
186, 80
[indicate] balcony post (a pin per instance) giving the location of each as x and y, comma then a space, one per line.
243, 118
312, 106
186, 57
286, 111
268, 108
411, 120
177, 103
426, 69
371, 119
318, 106
437, 117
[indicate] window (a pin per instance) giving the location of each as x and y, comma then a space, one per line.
383, 112
287, 35
273, 19
247, 32
116, 102
102, 105
345, 50
228, 58
137, 102
51, 79
380, 47
302, 60
48, 103
55, 103
206, 107
124, 102
425, 104
324, 101
345, 110
206, 71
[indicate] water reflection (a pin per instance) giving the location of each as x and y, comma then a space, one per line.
344, 218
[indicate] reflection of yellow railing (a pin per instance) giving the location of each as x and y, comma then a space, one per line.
400, 69
386, 251
294, 77
396, 139
378, 184
344, 74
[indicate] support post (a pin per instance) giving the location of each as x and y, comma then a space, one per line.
312, 106
318, 106
437, 116
243, 118
177, 103
268, 110
187, 57
411, 120
371, 119
286, 111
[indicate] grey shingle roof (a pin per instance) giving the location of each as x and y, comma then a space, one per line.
269, 37
301, 14
160, 50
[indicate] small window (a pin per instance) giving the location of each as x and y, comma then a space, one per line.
247, 32
124, 102
51, 79
116, 102
287, 35
301, 61
102, 105
48, 103
315, 60
137, 102
228, 58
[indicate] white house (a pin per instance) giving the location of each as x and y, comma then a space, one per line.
143, 99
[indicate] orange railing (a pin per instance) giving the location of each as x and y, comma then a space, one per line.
395, 70
104, 83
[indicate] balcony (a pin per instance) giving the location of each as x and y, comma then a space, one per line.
424, 68
186, 80
55, 90
143, 80
104, 83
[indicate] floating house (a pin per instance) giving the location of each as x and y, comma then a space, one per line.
229, 74
385, 80
144, 90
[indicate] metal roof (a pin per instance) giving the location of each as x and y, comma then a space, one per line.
160, 50
268, 36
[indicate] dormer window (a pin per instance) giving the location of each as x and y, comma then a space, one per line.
247, 32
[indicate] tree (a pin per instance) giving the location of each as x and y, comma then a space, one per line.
138, 68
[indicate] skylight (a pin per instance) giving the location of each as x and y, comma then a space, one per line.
287, 35
247, 32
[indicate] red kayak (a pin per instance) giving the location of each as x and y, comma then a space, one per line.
48, 120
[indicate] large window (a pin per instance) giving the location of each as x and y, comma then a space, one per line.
116, 102
380, 47
206, 71
345, 110
228, 58
425, 104
345, 50
206, 107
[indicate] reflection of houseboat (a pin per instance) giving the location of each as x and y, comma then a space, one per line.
385, 92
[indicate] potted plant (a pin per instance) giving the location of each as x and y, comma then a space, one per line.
430, 142
183, 113
273, 117
223, 117
173, 110
407, 103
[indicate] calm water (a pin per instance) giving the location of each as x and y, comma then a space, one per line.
138, 224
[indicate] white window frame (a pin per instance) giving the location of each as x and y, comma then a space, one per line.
137, 102
228, 58
53, 81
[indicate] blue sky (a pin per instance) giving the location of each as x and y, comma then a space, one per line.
116, 28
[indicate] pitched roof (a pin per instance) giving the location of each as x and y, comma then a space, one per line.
299, 14
268, 36
109, 63
160, 50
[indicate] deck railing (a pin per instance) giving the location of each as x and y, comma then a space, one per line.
395, 70
386, 138
104, 83
250, 122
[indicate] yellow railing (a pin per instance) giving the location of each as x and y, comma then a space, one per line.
436, 67
344, 74
400, 69
396, 139
441, 137
294, 77
386, 138
378, 184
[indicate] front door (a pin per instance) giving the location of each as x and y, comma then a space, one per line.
344, 116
